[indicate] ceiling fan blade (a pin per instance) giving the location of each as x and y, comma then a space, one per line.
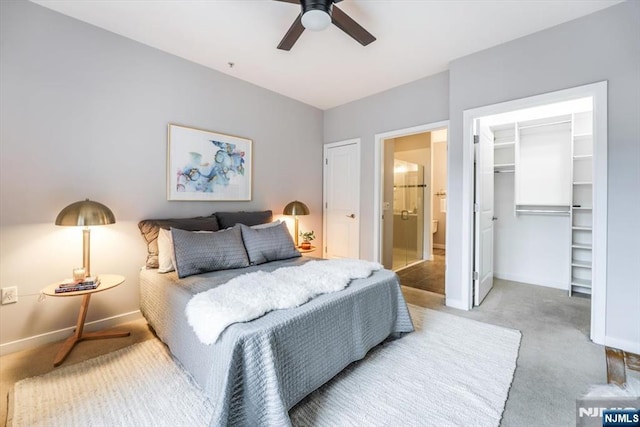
351, 27
292, 35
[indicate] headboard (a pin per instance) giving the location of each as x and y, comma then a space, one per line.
149, 228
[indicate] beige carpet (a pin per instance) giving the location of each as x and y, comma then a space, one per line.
452, 371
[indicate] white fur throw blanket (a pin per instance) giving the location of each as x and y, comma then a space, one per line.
251, 295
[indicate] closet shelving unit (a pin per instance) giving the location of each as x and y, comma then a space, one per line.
504, 145
543, 164
551, 160
582, 202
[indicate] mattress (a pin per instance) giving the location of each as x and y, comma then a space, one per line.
258, 370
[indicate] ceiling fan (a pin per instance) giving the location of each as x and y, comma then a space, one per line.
316, 15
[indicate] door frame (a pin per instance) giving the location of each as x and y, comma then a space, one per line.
378, 190
598, 91
432, 192
325, 149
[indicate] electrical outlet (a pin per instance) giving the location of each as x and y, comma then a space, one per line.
9, 295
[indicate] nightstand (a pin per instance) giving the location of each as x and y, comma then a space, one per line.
107, 281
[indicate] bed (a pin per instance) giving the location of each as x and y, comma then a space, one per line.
256, 371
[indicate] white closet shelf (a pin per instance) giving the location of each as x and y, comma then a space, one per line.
577, 289
581, 264
578, 228
581, 246
583, 283
582, 135
506, 144
504, 167
583, 157
583, 183
582, 208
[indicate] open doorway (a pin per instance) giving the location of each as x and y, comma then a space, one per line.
412, 188
538, 195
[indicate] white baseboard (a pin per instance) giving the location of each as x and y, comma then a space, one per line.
456, 303
439, 246
61, 334
531, 280
621, 344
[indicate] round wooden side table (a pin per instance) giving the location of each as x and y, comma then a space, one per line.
107, 281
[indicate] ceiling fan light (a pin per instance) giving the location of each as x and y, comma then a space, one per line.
316, 20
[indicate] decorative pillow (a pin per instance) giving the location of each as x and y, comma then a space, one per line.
165, 251
229, 219
267, 225
202, 252
166, 254
149, 228
268, 244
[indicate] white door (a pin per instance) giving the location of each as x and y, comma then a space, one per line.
483, 218
342, 199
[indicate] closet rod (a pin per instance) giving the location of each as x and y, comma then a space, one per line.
544, 124
542, 211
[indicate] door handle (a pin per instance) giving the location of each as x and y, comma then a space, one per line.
494, 218
352, 216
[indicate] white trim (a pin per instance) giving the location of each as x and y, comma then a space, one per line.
325, 149
620, 344
600, 204
456, 303
379, 171
431, 194
62, 334
598, 91
532, 280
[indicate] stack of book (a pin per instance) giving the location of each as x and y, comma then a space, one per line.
70, 285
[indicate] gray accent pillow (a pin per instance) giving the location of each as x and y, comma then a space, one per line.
268, 244
202, 252
149, 228
229, 219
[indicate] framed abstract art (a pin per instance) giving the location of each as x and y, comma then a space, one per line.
208, 166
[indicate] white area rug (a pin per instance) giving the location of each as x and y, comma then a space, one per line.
452, 371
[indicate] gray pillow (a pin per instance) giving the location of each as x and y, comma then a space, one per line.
202, 252
268, 244
149, 228
229, 219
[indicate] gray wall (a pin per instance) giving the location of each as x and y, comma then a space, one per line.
601, 46
416, 103
84, 113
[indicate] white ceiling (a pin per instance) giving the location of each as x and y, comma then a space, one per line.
415, 38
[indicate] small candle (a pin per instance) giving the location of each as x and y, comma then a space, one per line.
79, 274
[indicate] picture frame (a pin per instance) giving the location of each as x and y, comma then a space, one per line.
207, 166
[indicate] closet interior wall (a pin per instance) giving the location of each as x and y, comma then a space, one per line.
542, 200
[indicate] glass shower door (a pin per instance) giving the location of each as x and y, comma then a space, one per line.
408, 215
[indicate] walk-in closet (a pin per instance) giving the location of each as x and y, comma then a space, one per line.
542, 195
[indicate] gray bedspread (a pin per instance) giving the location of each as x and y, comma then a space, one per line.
259, 370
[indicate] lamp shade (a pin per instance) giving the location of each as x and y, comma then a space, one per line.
316, 20
296, 208
85, 213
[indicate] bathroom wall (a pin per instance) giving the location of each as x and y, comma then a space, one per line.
439, 184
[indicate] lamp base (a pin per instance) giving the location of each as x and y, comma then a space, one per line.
86, 250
